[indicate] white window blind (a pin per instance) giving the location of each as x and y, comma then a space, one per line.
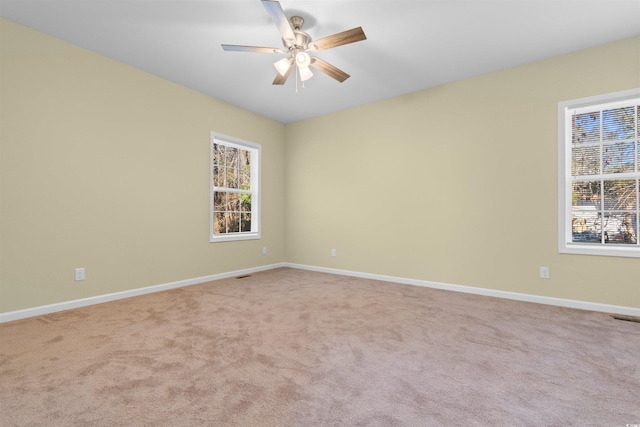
600, 175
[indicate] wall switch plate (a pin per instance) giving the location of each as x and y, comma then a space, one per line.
264, 250
333, 252
544, 272
79, 274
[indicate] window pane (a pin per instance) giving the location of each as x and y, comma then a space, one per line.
219, 201
219, 223
245, 180
586, 194
232, 178
233, 202
218, 154
618, 123
621, 228
216, 177
620, 194
585, 226
245, 160
246, 222
619, 157
585, 217
585, 128
233, 222
585, 160
232, 157
246, 203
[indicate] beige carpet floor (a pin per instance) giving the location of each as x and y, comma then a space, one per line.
290, 347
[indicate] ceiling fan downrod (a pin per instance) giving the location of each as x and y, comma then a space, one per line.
302, 39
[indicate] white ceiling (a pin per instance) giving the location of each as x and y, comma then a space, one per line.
410, 46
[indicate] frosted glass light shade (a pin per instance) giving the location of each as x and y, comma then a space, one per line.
305, 73
283, 65
303, 60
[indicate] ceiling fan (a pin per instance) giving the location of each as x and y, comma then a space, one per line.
297, 44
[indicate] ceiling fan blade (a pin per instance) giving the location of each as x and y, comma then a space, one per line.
239, 48
277, 15
350, 36
329, 69
280, 79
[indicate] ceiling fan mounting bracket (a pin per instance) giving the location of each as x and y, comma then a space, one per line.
296, 22
302, 39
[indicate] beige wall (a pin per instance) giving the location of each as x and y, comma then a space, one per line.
106, 167
456, 184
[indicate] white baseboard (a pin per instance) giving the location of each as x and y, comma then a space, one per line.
582, 305
67, 305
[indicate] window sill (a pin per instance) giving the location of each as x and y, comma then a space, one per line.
234, 237
609, 250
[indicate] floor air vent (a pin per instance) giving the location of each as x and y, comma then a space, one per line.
626, 318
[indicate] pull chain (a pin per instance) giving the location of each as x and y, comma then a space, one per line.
302, 82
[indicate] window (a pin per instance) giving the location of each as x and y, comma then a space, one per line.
235, 189
599, 175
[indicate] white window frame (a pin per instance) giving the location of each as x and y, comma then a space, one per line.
255, 191
565, 111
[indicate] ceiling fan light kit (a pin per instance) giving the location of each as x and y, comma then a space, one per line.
297, 43
305, 73
303, 60
283, 65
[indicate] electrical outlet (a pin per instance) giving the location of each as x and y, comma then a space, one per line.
264, 250
333, 252
544, 272
79, 274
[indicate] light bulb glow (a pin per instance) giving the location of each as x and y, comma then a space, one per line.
305, 73
303, 60
283, 65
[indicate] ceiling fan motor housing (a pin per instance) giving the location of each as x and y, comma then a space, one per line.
302, 39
